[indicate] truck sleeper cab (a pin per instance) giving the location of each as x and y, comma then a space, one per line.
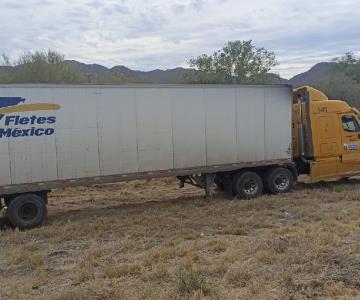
330, 138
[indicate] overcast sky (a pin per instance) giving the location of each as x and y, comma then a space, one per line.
149, 34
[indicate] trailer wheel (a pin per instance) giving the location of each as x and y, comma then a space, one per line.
26, 211
279, 180
247, 185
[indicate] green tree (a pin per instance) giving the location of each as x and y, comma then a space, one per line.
5, 60
45, 67
236, 62
350, 65
6, 71
50, 67
344, 82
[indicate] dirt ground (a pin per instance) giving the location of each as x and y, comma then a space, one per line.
152, 240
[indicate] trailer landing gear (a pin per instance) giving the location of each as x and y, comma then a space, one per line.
204, 181
209, 184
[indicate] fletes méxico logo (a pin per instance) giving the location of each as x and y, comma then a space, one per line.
17, 122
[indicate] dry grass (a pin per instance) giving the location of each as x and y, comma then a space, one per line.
151, 240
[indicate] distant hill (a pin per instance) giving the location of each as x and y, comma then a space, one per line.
88, 68
154, 76
5, 68
313, 75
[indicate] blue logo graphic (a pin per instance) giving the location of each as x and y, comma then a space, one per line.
10, 101
16, 124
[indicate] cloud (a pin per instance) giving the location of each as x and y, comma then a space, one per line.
44, 2
197, 4
13, 5
116, 9
178, 8
94, 4
164, 34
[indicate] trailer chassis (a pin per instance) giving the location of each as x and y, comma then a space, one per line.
26, 203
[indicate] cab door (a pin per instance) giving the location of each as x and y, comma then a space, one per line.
350, 160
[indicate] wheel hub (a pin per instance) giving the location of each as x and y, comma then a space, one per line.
27, 211
250, 187
282, 182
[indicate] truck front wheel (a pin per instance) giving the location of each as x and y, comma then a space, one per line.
247, 184
26, 211
279, 180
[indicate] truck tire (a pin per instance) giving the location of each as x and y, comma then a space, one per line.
247, 185
279, 180
26, 211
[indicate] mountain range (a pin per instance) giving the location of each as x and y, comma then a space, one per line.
316, 73
154, 76
313, 75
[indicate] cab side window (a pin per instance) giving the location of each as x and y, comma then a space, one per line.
350, 124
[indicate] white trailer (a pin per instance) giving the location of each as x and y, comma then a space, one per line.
55, 136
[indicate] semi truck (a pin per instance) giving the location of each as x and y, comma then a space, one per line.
246, 139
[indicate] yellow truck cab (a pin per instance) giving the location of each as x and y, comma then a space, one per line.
326, 136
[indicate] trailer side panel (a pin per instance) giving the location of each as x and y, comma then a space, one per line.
64, 133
